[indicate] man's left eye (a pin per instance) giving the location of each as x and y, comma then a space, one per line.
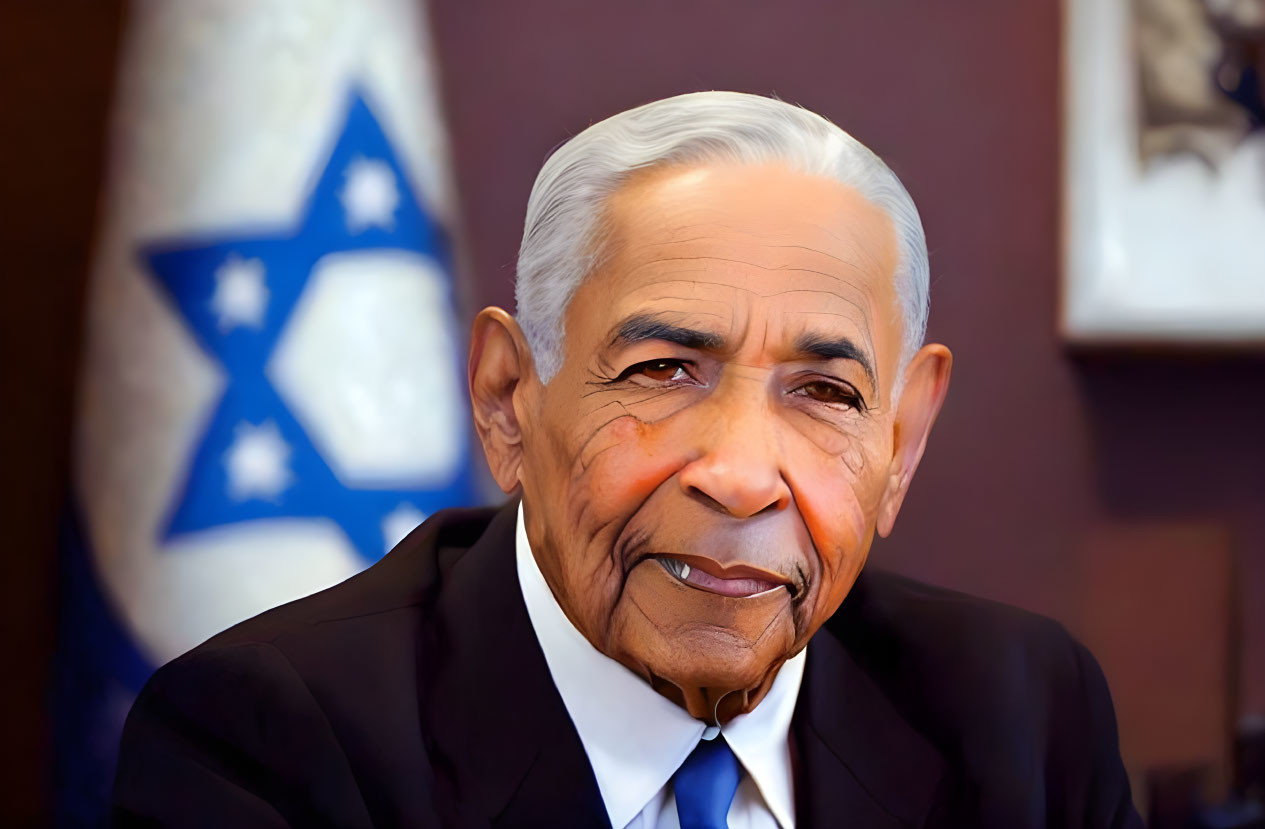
833, 393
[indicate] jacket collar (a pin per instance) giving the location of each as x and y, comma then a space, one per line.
501, 739
507, 754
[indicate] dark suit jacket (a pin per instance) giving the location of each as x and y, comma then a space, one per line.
416, 694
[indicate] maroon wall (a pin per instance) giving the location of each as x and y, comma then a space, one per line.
56, 74
1119, 494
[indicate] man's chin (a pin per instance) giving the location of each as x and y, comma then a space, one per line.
698, 647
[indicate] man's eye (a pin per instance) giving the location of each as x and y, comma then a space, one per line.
660, 371
832, 393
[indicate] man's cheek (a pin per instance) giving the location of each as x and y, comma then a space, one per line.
837, 512
625, 462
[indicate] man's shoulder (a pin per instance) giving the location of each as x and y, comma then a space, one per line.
403, 582
906, 607
319, 689
890, 619
1016, 706
356, 645
966, 670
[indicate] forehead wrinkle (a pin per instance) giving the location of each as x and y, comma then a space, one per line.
868, 257
865, 316
840, 280
825, 314
867, 260
663, 291
673, 241
684, 312
720, 283
691, 217
811, 249
689, 313
773, 239
771, 269
798, 316
859, 306
873, 258
865, 265
787, 235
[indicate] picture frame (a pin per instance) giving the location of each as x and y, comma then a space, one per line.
1164, 179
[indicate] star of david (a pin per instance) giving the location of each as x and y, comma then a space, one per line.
236, 293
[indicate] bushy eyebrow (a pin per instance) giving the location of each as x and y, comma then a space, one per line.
835, 348
642, 327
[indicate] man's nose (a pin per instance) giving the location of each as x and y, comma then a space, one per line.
739, 468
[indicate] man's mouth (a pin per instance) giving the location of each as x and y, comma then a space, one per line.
738, 580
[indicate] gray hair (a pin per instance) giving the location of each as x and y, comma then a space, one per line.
561, 244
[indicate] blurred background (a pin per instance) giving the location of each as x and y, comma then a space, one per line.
242, 243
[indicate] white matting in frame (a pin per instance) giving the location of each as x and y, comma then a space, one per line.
1170, 250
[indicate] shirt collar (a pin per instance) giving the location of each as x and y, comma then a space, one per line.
636, 738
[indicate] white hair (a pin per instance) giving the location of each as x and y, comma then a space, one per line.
561, 243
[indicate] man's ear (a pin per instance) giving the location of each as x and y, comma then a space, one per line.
926, 384
499, 363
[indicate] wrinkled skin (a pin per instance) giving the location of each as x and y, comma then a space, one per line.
704, 476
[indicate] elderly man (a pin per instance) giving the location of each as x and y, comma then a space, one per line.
714, 394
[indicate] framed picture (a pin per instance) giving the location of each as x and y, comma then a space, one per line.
1164, 172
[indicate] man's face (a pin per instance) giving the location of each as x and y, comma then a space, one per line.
702, 477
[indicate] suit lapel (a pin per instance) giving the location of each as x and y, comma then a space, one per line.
506, 754
501, 740
859, 762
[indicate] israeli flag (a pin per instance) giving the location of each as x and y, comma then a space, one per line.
272, 390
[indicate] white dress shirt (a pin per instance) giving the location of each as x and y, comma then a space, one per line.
636, 739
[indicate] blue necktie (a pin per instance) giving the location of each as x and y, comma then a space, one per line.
705, 785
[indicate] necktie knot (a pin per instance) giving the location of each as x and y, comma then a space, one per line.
705, 785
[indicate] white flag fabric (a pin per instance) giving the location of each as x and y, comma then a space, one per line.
272, 392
